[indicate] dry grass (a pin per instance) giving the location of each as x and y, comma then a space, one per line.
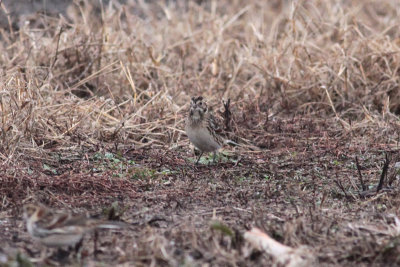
313, 84
125, 74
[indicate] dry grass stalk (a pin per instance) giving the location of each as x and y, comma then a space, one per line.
126, 76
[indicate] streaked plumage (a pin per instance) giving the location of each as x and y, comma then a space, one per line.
202, 129
59, 229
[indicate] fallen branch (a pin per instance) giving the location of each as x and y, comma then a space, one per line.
284, 255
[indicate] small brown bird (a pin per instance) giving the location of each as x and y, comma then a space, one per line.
59, 229
202, 128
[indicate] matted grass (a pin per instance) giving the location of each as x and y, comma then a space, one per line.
93, 104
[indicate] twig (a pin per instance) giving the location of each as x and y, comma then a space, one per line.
8, 18
344, 123
384, 171
227, 113
101, 44
55, 56
339, 184
95, 238
364, 188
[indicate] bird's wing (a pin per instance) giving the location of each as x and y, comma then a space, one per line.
214, 123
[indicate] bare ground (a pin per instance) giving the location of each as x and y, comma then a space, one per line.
93, 106
303, 193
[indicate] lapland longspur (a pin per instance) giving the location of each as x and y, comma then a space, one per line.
60, 229
202, 128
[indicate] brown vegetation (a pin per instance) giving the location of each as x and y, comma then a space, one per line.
92, 106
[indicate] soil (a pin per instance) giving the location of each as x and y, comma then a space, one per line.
302, 193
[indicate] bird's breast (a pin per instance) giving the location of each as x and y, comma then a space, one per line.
202, 138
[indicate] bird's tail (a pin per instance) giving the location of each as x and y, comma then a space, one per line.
111, 225
231, 143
